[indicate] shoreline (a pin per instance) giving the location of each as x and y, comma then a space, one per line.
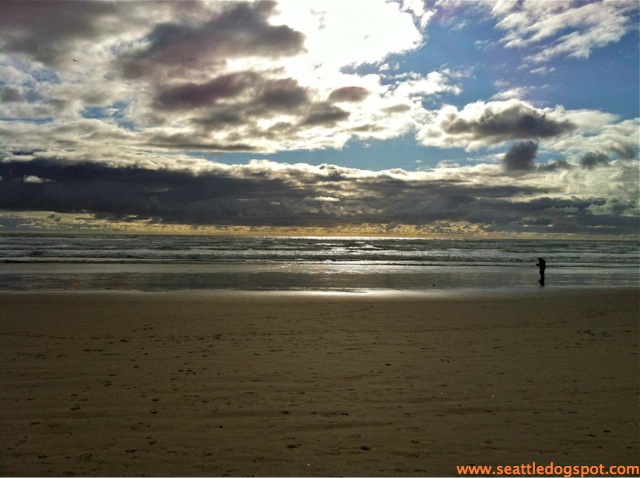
211, 383
435, 293
307, 276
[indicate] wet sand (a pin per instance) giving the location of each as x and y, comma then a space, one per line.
329, 384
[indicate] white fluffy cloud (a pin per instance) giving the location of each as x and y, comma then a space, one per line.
562, 28
481, 124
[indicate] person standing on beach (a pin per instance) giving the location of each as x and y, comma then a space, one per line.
542, 265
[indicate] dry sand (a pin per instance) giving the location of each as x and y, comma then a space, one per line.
290, 384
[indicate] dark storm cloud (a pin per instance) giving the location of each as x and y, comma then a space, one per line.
420, 202
252, 95
240, 99
241, 29
226, 116
10, 95
284, 94
555, 166
45, 30
260, 195
189, 142
323, 114
521, 156
194, 95
593, 160
119, 192
499, 123
349, 94
227, 102
50, 32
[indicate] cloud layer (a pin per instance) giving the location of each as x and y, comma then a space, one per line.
107, 105
263, 193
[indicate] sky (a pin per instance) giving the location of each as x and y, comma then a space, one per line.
504, 118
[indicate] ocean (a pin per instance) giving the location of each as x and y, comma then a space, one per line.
38, 262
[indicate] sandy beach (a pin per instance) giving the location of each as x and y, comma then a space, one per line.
198, 383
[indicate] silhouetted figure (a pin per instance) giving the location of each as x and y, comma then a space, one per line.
542, 265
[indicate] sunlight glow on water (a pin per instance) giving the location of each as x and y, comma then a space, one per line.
38, 262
